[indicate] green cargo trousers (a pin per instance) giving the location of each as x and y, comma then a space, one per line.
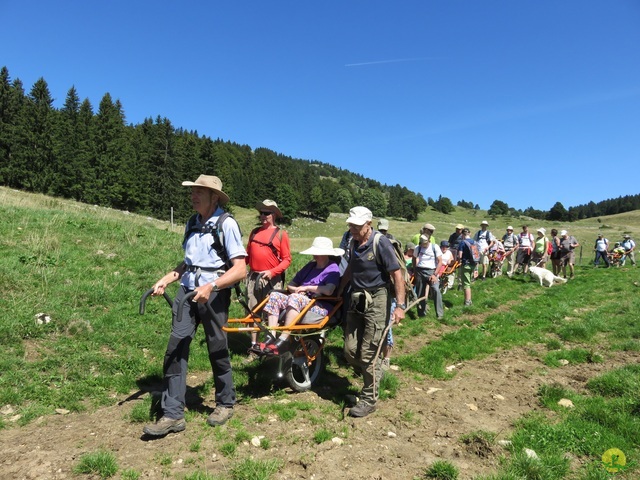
363, 335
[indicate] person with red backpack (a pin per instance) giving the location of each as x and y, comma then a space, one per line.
525, 249
268, 256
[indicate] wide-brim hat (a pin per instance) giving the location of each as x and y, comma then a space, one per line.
323, 246
484, 222
269, 206
509, 227
459, 226
211, 182
542, 230
428, 226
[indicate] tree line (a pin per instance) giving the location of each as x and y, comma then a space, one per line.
97, 158
558, 212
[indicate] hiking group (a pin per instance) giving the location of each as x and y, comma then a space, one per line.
370, 271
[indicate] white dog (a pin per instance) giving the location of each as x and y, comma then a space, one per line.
545, 277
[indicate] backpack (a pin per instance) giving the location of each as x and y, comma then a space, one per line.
409, 293
475, 252
269, 244
215, 230
549, 246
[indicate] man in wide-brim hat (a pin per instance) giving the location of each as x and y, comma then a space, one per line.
209, 272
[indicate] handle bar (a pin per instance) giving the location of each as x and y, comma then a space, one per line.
188, 297
143, 300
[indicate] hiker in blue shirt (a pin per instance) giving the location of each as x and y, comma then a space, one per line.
206, 271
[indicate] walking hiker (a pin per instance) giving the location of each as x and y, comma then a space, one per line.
465, 256
629, 248
541, 246
427, 262
268, 257
485, 240
510, 242
213, 262
555, 252
602, 251
525, 249
375, 278
568, 243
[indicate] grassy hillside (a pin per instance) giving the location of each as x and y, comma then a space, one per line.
303, 230
86, 267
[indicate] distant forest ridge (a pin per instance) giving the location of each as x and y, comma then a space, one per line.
96, 158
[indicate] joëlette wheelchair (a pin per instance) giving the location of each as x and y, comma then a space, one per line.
300, 360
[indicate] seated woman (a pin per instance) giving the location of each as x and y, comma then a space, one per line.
319, 277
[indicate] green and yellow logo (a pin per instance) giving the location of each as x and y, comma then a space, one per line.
614, 460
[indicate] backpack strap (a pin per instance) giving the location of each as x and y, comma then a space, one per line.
270, 242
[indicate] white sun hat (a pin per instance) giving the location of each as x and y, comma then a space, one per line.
323, 246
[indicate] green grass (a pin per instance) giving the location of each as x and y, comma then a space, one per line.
101, 463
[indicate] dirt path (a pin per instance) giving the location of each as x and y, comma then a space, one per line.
423, 424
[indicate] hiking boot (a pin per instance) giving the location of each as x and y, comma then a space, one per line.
362, 409
467, 303
220, 415
165, 426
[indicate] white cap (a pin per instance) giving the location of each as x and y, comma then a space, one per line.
563, 233
359, 215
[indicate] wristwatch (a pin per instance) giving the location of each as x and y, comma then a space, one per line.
215, 287
403, 306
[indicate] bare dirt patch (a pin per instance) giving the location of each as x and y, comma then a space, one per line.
423, 424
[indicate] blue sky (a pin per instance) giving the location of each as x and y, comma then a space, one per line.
530, 102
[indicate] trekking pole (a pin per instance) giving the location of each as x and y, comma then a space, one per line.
385, 332
580, 255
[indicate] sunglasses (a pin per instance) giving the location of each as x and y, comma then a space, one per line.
266, 213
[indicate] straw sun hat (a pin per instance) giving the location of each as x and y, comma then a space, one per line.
211, 182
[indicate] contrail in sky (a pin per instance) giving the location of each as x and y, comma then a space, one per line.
396, 60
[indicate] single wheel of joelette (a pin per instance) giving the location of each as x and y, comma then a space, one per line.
299, 371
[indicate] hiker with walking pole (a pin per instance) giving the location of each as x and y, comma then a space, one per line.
375, 278
427, 263
213, 263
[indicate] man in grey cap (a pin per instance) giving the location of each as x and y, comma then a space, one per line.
383, 228
375, 276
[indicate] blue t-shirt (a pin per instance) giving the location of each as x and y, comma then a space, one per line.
198, 250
